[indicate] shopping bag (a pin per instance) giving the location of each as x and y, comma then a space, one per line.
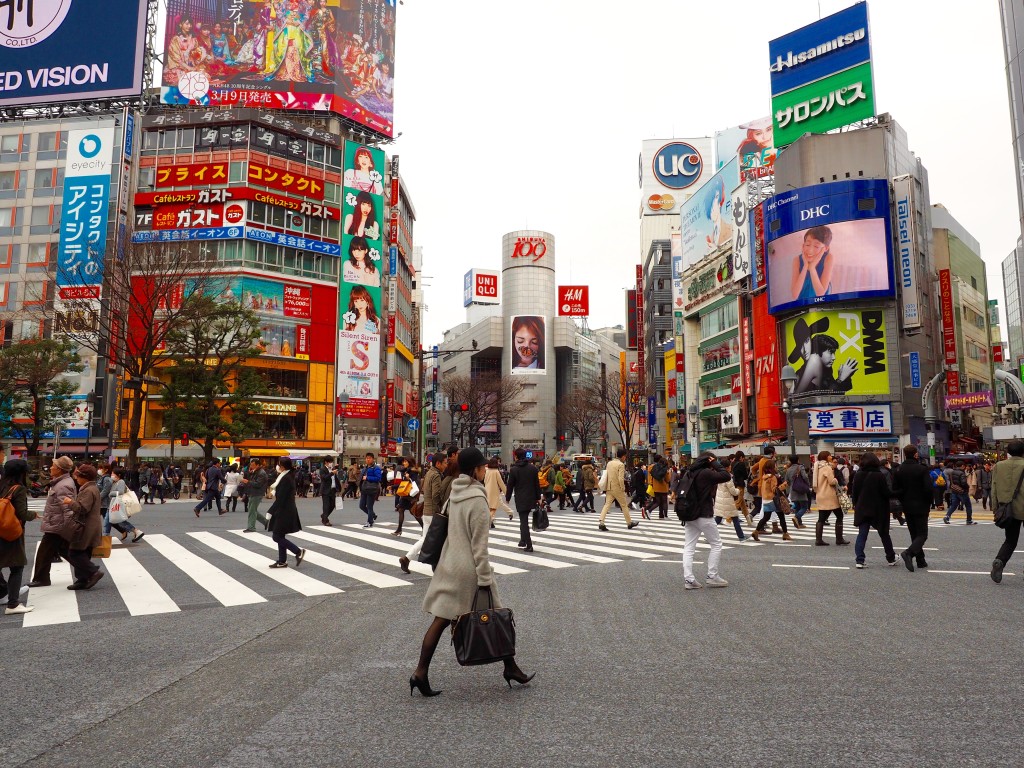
117, 512
103, 549
414, 489
436, 536
484, 636
602, 484
130, 502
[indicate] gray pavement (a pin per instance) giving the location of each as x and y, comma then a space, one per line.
788, 666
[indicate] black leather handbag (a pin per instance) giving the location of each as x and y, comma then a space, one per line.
484, 636
1003, 514
433, 542
540, 519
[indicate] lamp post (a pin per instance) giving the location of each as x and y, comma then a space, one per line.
693, 413
90, 405
789, 379
343, 399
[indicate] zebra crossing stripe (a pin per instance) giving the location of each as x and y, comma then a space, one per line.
356, 572
55, 604
287, 577
225, 589
140, 592
499, 537
496, 549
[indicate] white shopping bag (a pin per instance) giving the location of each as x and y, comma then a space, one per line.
130, 502
117, 512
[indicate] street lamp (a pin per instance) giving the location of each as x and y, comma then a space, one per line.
693, 412
343, 399
90, 404
789, 380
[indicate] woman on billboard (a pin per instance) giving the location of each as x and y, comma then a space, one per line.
184, 52
364, 176
527, 343
362, 314
817, 373
363, 220
359, 268
812, 268
721, 231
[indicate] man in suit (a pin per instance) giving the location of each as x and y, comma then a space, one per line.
327, 490
912, 483
615, 490
524, 483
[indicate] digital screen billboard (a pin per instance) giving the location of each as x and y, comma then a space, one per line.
706, 218
827, 243
69, 51
528, 339
840, 352
325, 55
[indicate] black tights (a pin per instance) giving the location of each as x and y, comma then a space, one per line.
433, 637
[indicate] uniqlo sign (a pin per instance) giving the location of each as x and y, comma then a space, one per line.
480, 286
573, 300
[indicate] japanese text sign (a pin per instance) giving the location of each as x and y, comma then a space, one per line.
850, 420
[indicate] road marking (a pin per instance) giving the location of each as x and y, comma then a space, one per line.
498, 537
139, 590
497, 549
926, 549
815, 567
227, 590
391, 542
288, 577
55, 604
969, 573
356, 572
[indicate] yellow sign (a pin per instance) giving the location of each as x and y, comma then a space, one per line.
838, 351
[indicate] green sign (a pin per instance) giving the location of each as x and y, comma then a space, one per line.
823, 105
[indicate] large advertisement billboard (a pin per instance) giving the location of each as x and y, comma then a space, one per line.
906, 244
671, 170
841, 352
827, 243
752, 143
321, 55
85, 207
706, 218
528, 339
767, 366
69, 51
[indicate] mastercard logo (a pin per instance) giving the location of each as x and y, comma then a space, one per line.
661, 202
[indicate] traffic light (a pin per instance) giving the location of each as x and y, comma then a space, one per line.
184, 438
463, 407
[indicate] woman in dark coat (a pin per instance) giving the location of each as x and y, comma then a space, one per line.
14, 487
285, 515
870, 494
85, 510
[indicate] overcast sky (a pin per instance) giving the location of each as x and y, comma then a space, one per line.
531, 114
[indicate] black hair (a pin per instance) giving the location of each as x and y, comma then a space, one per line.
821, 233
15, 472
1015, 448
285, 463
822, 343
620, 453
869, 461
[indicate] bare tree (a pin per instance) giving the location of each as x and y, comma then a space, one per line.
579, 414
612, 399
489, 400
143, 298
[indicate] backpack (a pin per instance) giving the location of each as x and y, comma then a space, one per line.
373, 474
659, 471
543, 478
800, 484
11, 528
938, 478
687, 504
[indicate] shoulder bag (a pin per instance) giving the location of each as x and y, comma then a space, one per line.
436, 536
484, 635
1004, 512
540, 519
11, 528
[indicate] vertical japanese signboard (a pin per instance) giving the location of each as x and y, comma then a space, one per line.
906, 251
640, 337
83, 234
946, 307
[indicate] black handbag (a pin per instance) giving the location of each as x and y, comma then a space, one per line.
437, 535
1004, 512
540, 519
484, 636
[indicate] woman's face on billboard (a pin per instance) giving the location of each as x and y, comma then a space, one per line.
813, 248
527, 345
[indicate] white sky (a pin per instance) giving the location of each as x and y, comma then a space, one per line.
531, 114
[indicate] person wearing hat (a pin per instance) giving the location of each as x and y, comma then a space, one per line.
803, 350
61, 485
84, 507
464, 568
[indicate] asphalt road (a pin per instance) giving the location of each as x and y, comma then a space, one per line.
788, 666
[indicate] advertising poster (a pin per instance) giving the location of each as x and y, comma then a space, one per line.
573, 300
829, 242
850, 420
322, 55
49, 51
85, 207
742, 246
752, 144
948, 321
361, 324
840, 352
527, 344
706, 218
768, 362
671, 170
906, 245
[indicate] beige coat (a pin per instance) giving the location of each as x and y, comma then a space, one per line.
616, 476
824, 482
464, 565
494, 486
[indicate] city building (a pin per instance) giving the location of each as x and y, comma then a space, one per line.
1011, 13
1013, 290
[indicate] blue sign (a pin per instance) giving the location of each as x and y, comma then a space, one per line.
827, 243
85, 206
393, 260
413, 424
529, 455
237, 233
70, 50
827, 46
129, 136
652, 420
678, 165
915, 370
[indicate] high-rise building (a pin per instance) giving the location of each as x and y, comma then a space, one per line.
1013, 289
1012, 15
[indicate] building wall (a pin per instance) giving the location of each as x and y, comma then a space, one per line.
1012, 288
1012, 17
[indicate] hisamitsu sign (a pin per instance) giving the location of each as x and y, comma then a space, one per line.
967, 400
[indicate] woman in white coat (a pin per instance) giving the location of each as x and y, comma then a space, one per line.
464, 568
231, 482
725, 506
494, 487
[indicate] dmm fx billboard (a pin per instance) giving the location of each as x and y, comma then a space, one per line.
84, 211
671, 170
70, 50
838, 352
906, 251
821, 75
829, 242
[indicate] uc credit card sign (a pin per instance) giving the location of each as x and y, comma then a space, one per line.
83, 229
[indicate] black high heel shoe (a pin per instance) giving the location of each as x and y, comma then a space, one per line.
424, 687
522, 678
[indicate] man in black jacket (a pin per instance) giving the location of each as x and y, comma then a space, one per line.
327, 497
523, 482
912, 483
212, 493
706, 473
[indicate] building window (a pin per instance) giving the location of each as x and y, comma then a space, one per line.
8, 181
48, 141
43, 179
10, 143
38, 254
35, 292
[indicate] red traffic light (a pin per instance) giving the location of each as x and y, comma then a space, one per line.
464, 406
184, 438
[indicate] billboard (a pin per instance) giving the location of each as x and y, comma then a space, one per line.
948, 323
85, 207
631, 334
706, 218
49, 51
752, 143
359, 331
839, 351
480, 286
573, 300
326, 55
906, 251
767, 366
984, 398
742, 224
836, 101
671, 170
850, 420
829, 242
528, 338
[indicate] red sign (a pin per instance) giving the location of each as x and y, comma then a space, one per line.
286, 181
194, 175
394, 191
71, 292
736, 385
634, 368
297, 302
195, 216
952, 382
946, 307
302, 342
391, 448
530, 248
573, 300
997, 353
393, 237
767, 366
433, 422
389, 421
391, 330
486, 286
208, 196
359, 408
759, 245
640, 339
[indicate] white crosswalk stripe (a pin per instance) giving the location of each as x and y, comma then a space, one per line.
166, 574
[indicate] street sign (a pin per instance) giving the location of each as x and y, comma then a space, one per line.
915, 370
529, 455
393, 260
413, 424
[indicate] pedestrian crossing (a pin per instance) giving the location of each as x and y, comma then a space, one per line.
166, 574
